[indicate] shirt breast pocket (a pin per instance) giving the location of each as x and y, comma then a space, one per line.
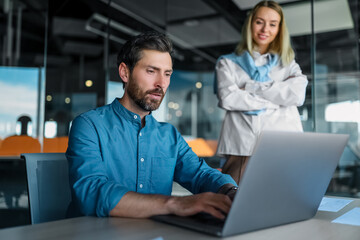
162, 175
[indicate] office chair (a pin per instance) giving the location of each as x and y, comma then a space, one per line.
15, 145
48, 186
55, 145
201, 147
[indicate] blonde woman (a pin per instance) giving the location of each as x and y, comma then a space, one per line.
259, 85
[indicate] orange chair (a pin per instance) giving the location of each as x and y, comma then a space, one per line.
212, 144
54, 145
202, 148
15, 145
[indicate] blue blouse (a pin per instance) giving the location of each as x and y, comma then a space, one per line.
109, 154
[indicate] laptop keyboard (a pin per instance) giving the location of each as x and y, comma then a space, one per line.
208, 219
202, 222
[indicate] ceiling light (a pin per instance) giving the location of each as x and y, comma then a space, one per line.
176, 106
88, 83
198, 85
192, 23
178, 113
103, 20
171, 104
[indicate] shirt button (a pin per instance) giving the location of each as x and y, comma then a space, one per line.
135, 117
142, 159
140, 134
141, 186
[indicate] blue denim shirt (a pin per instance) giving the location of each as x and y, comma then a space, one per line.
109, 154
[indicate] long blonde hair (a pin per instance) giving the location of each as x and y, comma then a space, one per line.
281, 44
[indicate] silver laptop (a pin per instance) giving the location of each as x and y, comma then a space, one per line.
284, 182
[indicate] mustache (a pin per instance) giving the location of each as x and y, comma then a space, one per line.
156, 90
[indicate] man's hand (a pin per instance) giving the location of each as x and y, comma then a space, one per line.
139, 205
213, 203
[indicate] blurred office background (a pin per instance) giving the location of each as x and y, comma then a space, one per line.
58, 59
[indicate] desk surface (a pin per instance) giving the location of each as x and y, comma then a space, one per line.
319, 227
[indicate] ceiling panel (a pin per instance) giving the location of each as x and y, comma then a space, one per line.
71, 27
248, 4
204, 33
82, 48
180, 10
154, 10
330, 15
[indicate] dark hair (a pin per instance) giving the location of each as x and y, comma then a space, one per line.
131, 51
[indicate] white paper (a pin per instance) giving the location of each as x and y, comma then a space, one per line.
352, 217
333, 204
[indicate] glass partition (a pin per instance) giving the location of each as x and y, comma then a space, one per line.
23, 44
19, 100
337, 85
22, 73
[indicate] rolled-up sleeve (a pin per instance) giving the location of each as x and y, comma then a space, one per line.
93, 192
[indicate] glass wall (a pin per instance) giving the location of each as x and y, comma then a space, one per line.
336, 90
23, 44
22, 68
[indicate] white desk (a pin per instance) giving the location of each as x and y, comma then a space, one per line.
88, 228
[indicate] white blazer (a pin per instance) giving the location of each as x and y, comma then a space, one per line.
237, 92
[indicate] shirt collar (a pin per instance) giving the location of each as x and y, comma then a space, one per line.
128, 115
257, 54
123, 112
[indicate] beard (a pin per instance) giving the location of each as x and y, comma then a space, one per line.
142, 99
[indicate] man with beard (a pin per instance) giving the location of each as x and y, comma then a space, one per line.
122, 162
